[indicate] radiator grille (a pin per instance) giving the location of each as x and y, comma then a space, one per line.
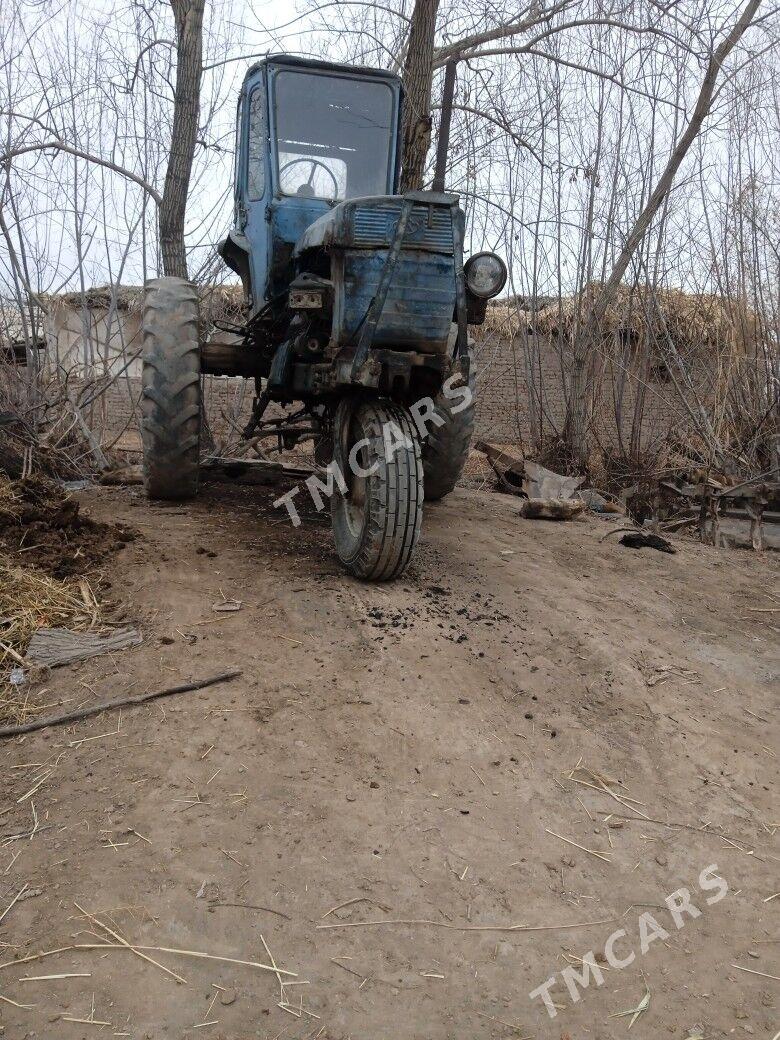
429, 227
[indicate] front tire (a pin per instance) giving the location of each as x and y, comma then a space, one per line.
376, 524
171, 398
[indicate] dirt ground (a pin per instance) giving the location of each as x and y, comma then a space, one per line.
399, 798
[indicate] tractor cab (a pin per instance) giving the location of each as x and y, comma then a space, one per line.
309, 135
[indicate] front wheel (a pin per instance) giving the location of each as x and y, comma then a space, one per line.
376, 520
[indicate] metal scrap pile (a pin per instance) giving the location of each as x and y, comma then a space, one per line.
546, 495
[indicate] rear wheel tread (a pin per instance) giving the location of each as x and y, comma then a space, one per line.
171, 395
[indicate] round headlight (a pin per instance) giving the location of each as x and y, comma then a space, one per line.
485, 274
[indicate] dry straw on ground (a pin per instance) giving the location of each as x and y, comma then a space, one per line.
30, 600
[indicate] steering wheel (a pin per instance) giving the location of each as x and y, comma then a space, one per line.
314, 164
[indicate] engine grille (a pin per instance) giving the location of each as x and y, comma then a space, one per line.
429, 227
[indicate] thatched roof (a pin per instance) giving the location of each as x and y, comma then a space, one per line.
100, 297
223, 303
218, 302
641, 314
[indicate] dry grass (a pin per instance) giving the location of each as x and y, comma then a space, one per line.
9, 500
39, 427
222, 303
644, 314
30, 600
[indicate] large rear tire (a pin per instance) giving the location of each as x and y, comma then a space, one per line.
171, 399
445, 450
376, 524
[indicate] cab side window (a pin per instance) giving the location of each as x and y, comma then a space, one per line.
258, 144
237, 159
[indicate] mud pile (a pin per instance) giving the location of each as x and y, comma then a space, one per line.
41, 526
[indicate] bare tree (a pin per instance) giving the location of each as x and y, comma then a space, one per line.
417, 81
188, 15
586, 338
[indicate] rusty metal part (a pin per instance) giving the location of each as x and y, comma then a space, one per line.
223, 358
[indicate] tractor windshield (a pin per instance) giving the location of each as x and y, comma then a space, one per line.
333, 135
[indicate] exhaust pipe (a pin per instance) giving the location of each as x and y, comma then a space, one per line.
442, 146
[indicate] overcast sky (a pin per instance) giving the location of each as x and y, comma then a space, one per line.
533, 214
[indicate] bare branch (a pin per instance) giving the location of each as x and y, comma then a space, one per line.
62, 146
145, 50
501, 32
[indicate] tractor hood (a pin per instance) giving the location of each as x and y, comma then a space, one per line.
369, 223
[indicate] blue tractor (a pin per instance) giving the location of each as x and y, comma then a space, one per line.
358, 303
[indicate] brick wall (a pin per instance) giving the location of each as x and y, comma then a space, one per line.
522, 389
228, 404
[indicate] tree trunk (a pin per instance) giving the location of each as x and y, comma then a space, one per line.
417, 79
186, 113
587, 338
580, 411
